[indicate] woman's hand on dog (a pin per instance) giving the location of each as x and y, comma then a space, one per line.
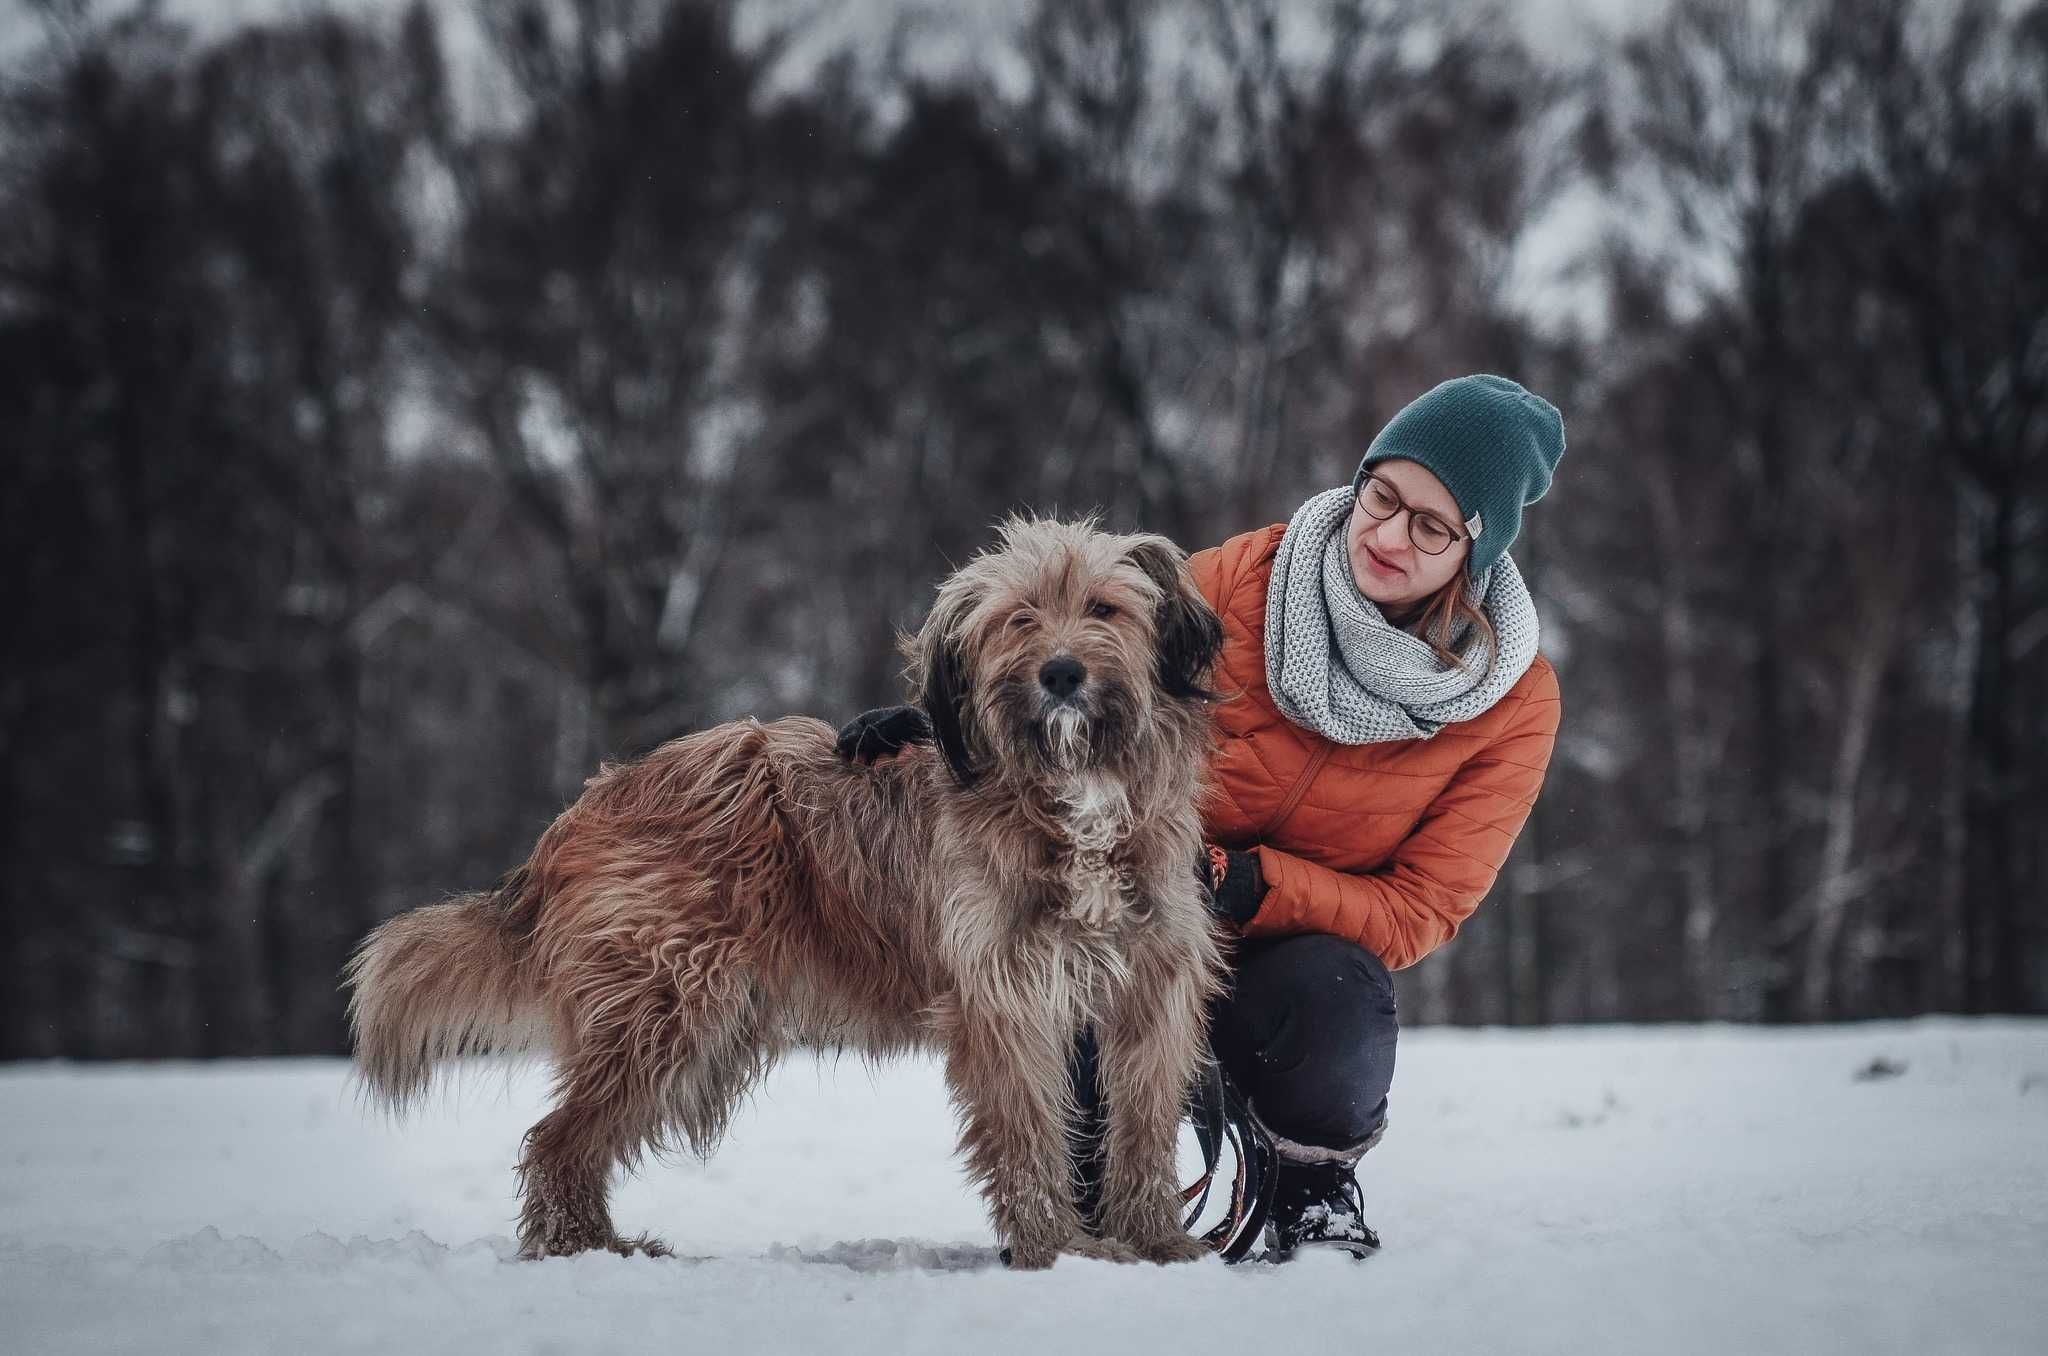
1235, 884
882, 731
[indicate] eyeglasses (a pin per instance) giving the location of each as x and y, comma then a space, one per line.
1428, 533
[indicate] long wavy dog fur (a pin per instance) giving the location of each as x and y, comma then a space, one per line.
742, 891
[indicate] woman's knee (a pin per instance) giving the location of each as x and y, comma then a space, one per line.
1308, 1031
1329, 954
1332, 978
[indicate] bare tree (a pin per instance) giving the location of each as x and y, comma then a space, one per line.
1956, 155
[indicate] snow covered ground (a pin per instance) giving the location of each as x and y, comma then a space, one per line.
1706, 1189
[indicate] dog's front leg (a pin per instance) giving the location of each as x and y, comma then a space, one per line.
1008, 1070
1150, 1041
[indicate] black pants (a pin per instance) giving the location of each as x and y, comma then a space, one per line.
1306, 1032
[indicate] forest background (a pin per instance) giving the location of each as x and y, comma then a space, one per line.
406, 408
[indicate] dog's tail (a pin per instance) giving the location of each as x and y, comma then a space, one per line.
438, 983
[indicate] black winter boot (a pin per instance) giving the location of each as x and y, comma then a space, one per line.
1317, 1205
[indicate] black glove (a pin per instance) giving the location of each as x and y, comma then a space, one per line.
1236, 885
881, 732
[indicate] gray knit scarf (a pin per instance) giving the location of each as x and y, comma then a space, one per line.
1337, 666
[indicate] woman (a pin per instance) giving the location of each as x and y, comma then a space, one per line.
1386, 728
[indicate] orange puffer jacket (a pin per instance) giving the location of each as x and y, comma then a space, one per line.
1392, 845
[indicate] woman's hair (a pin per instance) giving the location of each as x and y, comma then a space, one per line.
1440, 614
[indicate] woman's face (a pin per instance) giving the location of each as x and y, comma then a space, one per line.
1384, 562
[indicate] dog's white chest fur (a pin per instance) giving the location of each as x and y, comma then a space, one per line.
1095, 811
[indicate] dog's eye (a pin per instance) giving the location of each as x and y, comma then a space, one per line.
1019, 620
1102, 610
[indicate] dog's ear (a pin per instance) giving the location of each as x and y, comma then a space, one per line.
1190, 633
939, 668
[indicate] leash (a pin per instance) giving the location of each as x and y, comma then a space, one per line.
1221, 1116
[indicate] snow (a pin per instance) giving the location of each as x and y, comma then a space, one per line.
1712, 1189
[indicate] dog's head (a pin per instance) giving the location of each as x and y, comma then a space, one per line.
1052, 651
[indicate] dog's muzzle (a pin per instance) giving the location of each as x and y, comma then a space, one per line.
1063, 717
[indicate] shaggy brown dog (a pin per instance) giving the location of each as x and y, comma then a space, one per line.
742, 891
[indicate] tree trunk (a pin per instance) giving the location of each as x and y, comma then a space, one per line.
1839, 881
1766, 568
1691, 780
1991, 894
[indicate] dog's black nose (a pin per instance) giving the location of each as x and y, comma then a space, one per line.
1061, 676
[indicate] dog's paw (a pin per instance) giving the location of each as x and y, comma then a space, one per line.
1102, 1249
1178, 1246
565, 1238
646, 1245
572, 1243
1030, 1257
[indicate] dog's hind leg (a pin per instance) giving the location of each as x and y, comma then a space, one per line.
565, 1174
659, 1062
608, 1112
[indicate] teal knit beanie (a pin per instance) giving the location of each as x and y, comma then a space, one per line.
1494, 446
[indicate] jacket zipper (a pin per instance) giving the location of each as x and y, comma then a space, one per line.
1298, 790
